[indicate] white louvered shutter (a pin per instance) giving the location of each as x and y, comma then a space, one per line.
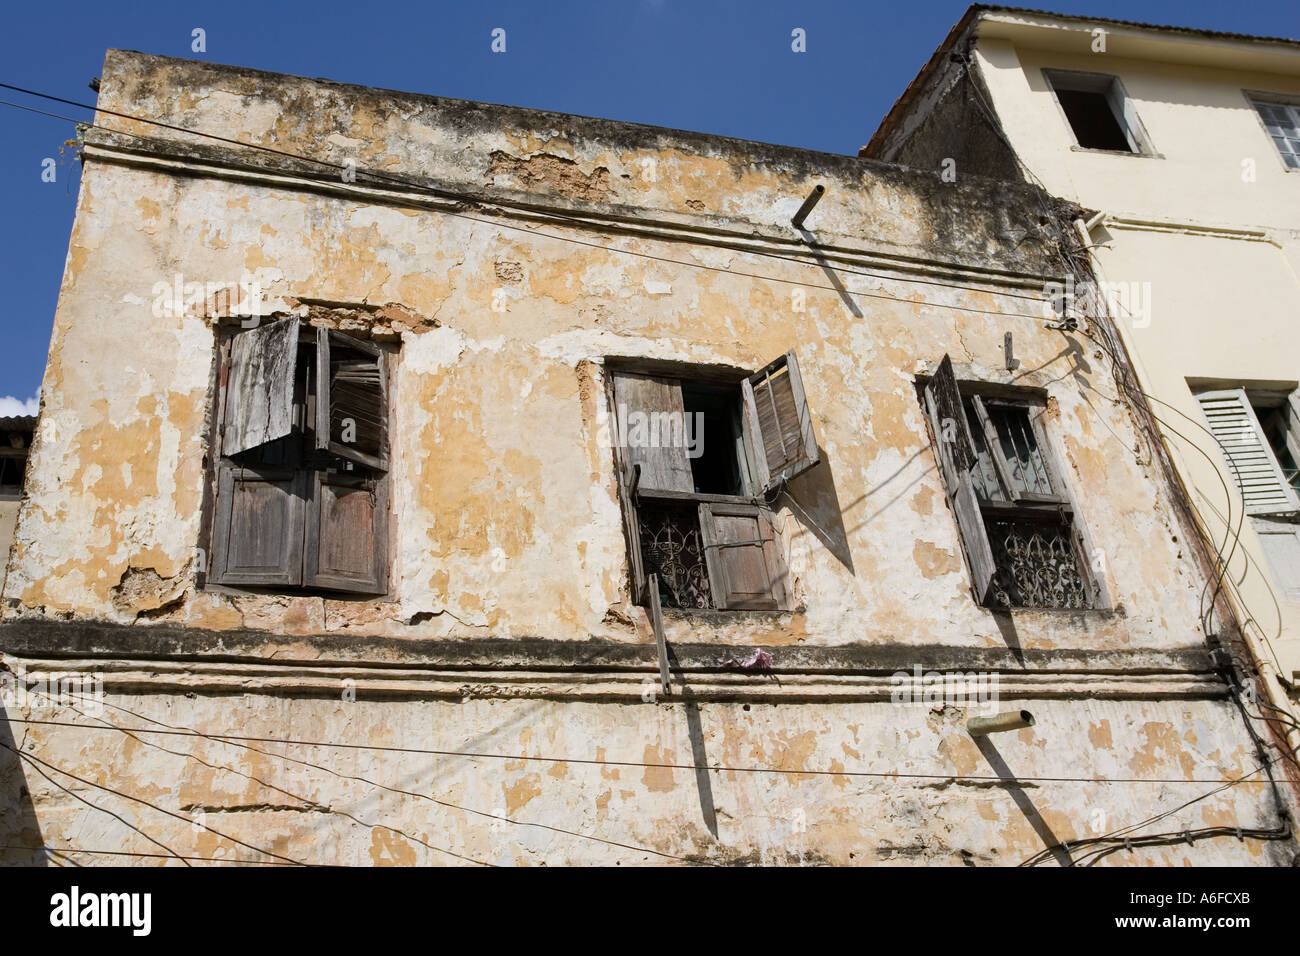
1251, 462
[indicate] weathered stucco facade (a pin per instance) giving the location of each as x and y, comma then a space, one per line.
1195, 235
508, 259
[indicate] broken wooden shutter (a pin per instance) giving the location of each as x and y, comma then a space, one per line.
1251, 461
956, 456
778, 422
746, 567
351, 399
347, 533
259, 391
258, 526
651, 423
627, 483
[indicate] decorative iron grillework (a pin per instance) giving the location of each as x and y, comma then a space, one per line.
671, 548
1037, 564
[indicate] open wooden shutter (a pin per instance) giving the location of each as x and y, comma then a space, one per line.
651, 419
351, 399
778, 422
1281, 543
632, 529
259, 391
1251, 461
258, 526
955, 453
347, 533
746, 567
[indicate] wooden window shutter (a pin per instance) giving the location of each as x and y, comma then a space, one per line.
347, 533
778, 422
1251, 461
651, 418
1281, 543
258, 526
956, 456
259, 392
351, 399
632, 529
746, 567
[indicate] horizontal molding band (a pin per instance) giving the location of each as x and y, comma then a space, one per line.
1189, 228
634, 686
733, 234
164, 658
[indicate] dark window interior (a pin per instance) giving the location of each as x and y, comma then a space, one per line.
1273, 421
717, 469
13, 459
1093, 120
11, 474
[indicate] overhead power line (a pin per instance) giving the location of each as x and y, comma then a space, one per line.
716, 768
578, 222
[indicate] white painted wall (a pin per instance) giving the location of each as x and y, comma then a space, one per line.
1218, 253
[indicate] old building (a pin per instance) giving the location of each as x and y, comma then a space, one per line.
387, 438
1184, 147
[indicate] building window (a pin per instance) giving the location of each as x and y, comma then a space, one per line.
301, 477
1258, 433
697, 454
1282, 121
15, 442
1098, 111
1023, 544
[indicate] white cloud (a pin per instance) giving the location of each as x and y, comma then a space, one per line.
10, 406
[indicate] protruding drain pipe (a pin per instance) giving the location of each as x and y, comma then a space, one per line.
1007, 720
807, 206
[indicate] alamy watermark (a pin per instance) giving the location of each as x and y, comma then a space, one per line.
52, 690
240, 298
638, 429
924, 688
1124, 301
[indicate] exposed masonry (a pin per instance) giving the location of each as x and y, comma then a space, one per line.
509, 627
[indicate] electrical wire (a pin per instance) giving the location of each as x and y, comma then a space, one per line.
307, 802
365, 780
94, 806
153, 806
390, 179
590, 761
1222, 562
152, 856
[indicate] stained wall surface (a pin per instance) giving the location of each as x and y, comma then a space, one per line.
517, 255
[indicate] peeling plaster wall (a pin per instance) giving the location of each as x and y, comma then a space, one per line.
504, 488
506, 518
322, 805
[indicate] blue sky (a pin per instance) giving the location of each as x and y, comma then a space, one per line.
719, 67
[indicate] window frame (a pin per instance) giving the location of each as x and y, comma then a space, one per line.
313, 463
751, 503
1254, 98
1272, 526
968, 504
1121, 104
1242, 394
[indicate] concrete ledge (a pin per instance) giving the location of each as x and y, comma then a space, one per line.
164, 658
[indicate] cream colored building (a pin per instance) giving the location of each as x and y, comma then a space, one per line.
1182, 148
